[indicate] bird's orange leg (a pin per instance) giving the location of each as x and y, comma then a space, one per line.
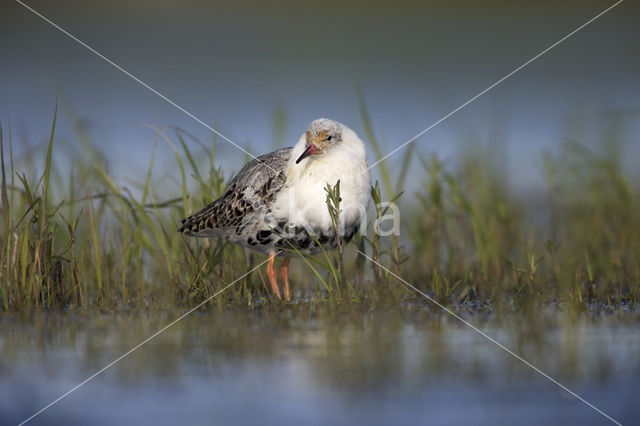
273, 276
284, 273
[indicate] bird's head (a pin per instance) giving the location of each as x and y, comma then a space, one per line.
322, 136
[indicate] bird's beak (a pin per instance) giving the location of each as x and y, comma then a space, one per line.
311, 149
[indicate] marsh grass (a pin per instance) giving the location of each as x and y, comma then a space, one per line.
76, 238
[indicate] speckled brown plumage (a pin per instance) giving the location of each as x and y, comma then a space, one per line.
246, 200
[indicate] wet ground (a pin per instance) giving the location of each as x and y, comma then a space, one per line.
311, 365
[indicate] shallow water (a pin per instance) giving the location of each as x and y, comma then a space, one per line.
318, 366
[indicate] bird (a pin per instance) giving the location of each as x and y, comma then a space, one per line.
277, 203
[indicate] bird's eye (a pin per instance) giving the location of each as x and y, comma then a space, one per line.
329, 137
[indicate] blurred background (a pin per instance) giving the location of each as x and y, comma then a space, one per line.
259, 72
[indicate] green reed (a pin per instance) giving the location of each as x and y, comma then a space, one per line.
75, 237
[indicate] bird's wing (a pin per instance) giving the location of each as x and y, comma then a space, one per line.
247, 197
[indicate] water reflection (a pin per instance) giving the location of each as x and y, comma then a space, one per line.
318, 365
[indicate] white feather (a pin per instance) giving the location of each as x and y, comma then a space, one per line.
303, 201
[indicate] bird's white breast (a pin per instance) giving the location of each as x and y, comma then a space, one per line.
303, 201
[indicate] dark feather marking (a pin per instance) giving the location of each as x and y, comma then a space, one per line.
263, 235
248, 194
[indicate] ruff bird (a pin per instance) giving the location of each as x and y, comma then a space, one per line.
277, 203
